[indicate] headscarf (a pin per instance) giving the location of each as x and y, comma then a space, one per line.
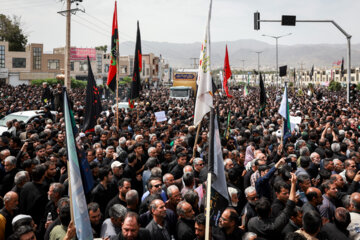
249, 155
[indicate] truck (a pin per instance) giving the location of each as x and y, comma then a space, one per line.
184, 84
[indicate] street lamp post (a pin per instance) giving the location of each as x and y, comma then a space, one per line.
258, 53
277, 54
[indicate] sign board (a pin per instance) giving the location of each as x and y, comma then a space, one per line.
294, 121
160, 116
4, 73
80, 54
185, 76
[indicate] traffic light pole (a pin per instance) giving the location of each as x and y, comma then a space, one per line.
348, 37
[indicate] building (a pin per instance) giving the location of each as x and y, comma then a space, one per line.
21, 67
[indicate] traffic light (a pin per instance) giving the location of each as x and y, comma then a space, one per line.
288, 20
352, 94
256, 21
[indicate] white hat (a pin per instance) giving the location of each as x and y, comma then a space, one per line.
19, 217
116, 164
82, 135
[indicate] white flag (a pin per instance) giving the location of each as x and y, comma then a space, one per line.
204, 97
284, 104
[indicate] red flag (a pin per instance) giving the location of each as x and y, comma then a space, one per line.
111, 81
227, 73
136, 84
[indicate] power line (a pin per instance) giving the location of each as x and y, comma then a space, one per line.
152, 48
97, 30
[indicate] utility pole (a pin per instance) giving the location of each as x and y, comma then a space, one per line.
67, 81
67, 13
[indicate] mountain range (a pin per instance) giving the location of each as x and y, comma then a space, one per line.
242, 54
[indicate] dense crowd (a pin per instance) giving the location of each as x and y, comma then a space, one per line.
150, 177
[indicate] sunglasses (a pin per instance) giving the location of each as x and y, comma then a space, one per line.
157, 185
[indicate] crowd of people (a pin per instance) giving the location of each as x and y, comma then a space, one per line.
150, 177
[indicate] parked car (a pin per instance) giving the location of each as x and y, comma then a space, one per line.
121, 105
25, 116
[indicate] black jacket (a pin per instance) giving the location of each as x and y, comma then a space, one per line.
33, 199
100, 195
219, 234
332, 232
177, 171
289, 228
185, 229
270, 228
158, 233
277, 207
171, 218
7, 183
112, 202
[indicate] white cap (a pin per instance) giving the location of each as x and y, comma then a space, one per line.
116, 164
19, 217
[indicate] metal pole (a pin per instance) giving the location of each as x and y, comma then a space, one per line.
348, 36
277, 62
211, 166
277, 54
67, 80
348, 68
258, 53
259, 66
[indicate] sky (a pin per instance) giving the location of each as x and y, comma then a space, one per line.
183, 21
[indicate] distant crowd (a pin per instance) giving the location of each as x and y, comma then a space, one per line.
150, 177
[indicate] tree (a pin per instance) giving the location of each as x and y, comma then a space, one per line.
125, 80
102, 48
11, 32
334, 86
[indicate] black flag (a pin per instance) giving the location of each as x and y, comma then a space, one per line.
219, 192
93, 104
283, 71
342, 68
312, 72
262, 95
136, 84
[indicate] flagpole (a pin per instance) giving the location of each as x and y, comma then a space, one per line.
282, 134
210, 164
70, 193
117, 86
196, 138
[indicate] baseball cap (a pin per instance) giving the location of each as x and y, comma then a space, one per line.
116, 164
